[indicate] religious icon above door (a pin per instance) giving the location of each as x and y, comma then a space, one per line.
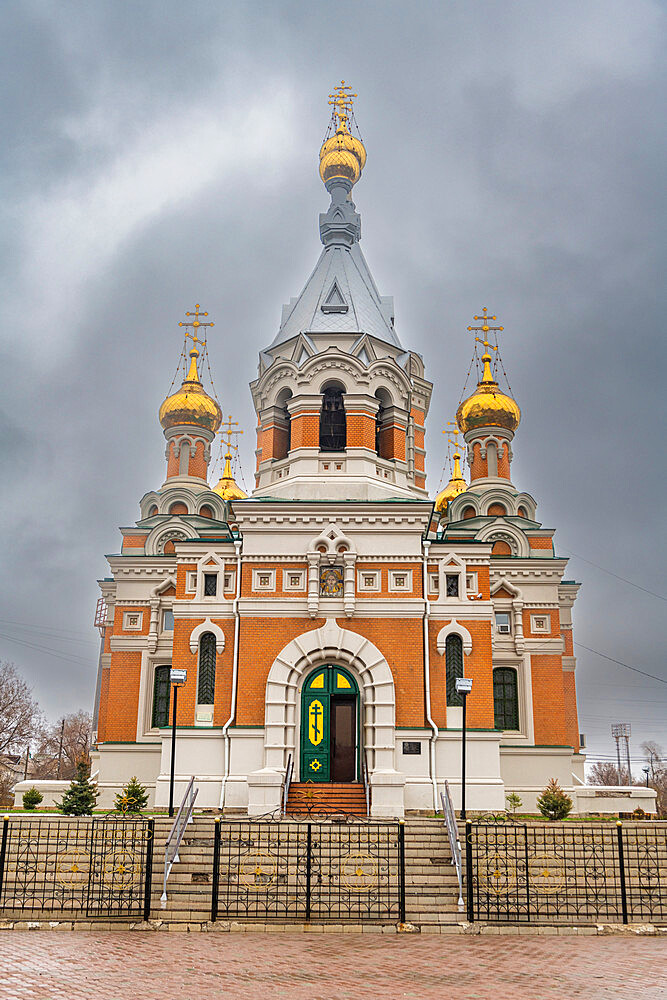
331, 581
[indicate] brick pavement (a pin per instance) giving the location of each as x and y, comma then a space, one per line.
98, 965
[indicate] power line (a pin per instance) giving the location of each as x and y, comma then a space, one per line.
610, 573
636, 670
44, 649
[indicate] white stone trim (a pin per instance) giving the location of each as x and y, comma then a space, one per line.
403, 588
207, 626
287, 583
362, 585
454, 628
127, 627
270, 586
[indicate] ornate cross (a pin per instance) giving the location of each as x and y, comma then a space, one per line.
227, 433
197, 324
453, 434
342, 103
485, 328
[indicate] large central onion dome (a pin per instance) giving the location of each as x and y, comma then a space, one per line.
191, 405
488, 406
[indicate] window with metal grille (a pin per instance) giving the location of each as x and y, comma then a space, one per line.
505, 698
453, 668
333, 428
206, 682
161, 692
452, 584
210, 584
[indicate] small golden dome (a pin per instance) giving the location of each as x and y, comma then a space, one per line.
456, 485
342, 155
488, 406
191, 404
227, 487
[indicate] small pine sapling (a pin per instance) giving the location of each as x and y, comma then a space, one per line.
514, 802
80, 797
553, 802
32, 798
133, 797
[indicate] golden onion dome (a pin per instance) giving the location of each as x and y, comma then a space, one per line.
227, 487
342, 155
191, 404
488, 406
456, 485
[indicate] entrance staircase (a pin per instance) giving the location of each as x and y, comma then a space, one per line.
311, 799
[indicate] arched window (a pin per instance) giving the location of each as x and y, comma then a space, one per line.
206, 681
497, 510
333, 428
178, 508
205, 511
453, 668
161, 692
505, 698
282, 441
382, 425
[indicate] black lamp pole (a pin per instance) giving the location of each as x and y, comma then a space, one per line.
463, 759
173, 751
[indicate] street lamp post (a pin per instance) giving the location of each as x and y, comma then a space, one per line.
177, 677
646, 771
463, 687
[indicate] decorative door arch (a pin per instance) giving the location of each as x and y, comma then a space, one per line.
330, 725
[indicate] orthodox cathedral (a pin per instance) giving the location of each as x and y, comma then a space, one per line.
323, 620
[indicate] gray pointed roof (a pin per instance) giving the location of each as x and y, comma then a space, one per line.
341, 271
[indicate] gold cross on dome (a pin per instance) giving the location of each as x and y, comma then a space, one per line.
485, 328
227, 433
454, 434
342, 103
197, 324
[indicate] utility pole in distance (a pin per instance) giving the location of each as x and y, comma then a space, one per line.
621, 731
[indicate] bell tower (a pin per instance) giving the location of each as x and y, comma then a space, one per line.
340, 403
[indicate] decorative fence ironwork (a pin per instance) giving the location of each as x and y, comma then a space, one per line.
309, 871
559, 873
96, 867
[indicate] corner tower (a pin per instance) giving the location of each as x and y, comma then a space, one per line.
340, 403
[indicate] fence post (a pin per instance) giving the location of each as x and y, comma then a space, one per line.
3, 851
148, 880
308, 868
401, 872
469, 899
216, 870
621, 865
525, 857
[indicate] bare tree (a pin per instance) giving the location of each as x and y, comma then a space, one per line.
64, 744
606, 773
21, 720
657, 773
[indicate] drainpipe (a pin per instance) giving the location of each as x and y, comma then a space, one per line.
235, 672
427, 679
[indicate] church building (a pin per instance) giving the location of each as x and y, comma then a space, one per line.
323, 620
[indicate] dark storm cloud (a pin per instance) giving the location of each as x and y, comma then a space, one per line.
158, 154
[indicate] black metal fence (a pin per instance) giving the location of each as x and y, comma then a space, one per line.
559, 873
309, 871
75, 867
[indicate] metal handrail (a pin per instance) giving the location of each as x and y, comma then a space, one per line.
453, 833
367, 787
183, 817
287, 780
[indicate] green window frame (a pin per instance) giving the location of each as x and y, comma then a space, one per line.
505, 698
161, 696
206, 677
453, 669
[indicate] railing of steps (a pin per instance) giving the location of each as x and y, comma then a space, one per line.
367, 787
453, 833
287, 781
183, 817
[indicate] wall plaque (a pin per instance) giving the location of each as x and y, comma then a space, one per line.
412, 748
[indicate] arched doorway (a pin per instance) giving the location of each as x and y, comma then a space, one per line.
330, 726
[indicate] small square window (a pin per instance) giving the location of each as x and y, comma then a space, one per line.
503, 622
452, 584
294, 579
540, 623
210, 584
190, 582
433, 583
400, 580
168, 621
368, 580
471, 583
263, 579
133, 621
229, 582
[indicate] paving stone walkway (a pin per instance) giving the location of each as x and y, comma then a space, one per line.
57, 965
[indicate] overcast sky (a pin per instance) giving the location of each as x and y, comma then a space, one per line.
158, 154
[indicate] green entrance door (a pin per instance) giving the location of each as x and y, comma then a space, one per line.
329, 726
